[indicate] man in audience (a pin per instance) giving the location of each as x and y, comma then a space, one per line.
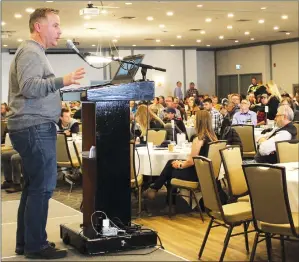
35, 107
235, 100
11, 163
176, 105
169, 104
178, 90
253, 86
67, 124
261, 114
192, 91
178, 124
244, 116
285, 131
4, 111
217, 118
156, 106
162, 101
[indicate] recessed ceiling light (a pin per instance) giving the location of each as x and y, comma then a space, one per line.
178, 36
133, 45
199, 6
229, 27
171, 45
158, 40
261, 21
263, 8
252, 39
93, 45
208, 20
149, 18
202, 32
275, 27
29, 10
114, 40
230, 15
208, 45
284, 17
49, 1
3, 23
4, 45
236, 41
128, 3
20, 40
198, 41
170, 13
288, 33
221, 37
161, 26
87, 17
247, 33
18, 15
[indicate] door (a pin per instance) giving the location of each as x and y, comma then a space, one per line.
245, 81
226, 85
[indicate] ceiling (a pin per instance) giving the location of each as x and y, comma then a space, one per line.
187, 15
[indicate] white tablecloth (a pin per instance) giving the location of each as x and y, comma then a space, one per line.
292, 176
158, 158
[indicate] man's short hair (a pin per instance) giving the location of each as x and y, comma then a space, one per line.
162, 97
64, 110
246, 101
207, 100
286, 111
191, 83
253, 77
170, 97
38, 14
178, 82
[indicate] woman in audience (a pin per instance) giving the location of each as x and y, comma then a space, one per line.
185, 170
261, 114
287, 101
215, 103
274, 99
146, 119
192, 107
4, 111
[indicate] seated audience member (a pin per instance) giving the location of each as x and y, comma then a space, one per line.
77, 114
178, 124
225, 115
251, 98
235, 102
170, 104
67, 124
261, 114
261, 89
288, 102
296, 101
162, 101
4, 111
216, 116
133, 107
176, 105
156, 106
11, 163
274, 99
285, 131
244, 116
146, 119
215, 103
192, 107
185, 170
64, 105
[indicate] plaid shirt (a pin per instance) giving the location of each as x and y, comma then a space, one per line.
217, 119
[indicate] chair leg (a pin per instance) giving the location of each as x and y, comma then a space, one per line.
139, 200
169, 191
205, 238
283, 256
255, 242
198, 206
226, 241
269, 246
190, 198
246, 236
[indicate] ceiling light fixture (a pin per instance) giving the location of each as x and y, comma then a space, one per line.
284, 17
261, 21
221, 37
230, 15
198, 41
3, 23
236, 41
208, 45
161, 26
171, 45
149, 18
49, 1
133, 45
20, 40
170, 13
247, 33
93, 45
263, 8
179, 36
202, 32
275, 27
18, 15
288, 33
30, 10
128, 3
158, 40
208, 20
199, 6
229, 27
4, 45
252, 39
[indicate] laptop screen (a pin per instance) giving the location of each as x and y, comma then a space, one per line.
126, 72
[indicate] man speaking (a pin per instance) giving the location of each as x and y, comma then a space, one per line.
35, 108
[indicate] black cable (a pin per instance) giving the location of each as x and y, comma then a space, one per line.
149, 157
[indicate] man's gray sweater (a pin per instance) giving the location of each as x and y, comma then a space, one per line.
34, 96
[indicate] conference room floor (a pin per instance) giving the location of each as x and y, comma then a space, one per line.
183, 234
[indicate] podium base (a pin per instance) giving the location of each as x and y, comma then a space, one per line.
73, 234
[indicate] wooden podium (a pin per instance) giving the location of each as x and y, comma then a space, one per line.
106, 178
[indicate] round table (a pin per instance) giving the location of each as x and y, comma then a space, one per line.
158, 159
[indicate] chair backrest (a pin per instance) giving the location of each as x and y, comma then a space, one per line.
62, 150
207, 181
268, 194
156, 136
214, 154
287, 151
77, 151
232, 163
296, 124
246, 134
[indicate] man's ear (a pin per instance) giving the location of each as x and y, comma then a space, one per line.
37, 27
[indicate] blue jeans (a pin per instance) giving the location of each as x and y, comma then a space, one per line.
37, 148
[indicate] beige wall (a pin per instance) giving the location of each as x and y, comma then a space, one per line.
286, 71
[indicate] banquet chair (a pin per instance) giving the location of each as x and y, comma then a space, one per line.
287, 151
246, 133
64, 158
270, 205
228, 216
232, 163
156, 136
136, 180
296, 124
